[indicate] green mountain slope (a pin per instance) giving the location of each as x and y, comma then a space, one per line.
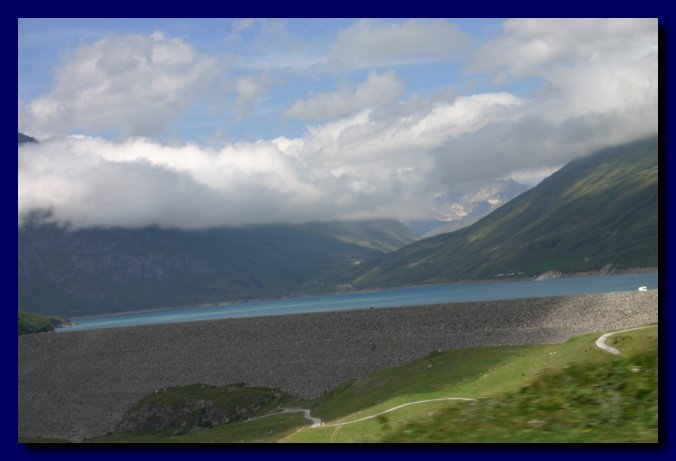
596, 211
93, 271
33, 323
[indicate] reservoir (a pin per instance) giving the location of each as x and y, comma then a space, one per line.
395, 297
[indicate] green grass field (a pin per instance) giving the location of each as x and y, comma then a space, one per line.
570, 392
494, 374
614, 401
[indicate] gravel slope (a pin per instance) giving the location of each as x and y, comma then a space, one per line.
78, 385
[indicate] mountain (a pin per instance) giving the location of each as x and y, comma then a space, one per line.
23, 138
597, 212
453, 211
94, 271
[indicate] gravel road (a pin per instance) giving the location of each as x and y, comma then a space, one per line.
78, 385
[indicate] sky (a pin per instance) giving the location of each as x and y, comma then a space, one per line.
223, 122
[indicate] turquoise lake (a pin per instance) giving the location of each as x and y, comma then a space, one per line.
396, 297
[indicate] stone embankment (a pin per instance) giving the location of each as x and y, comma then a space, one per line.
78, 385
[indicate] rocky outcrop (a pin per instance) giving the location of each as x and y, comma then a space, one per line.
465, 206
549, 275
179, 415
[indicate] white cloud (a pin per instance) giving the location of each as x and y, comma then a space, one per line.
133, 84
531, 46
531, 176
381, 157
249, 89
599, 87
367, 43
378, 43
588, 66
93, 182
365, 165
376, 90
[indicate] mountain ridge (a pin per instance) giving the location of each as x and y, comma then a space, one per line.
453, 211
96, 270
91, 271
596, 212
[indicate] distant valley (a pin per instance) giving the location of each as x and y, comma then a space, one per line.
96, 270
597, 213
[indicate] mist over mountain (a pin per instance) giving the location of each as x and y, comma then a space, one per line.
102, 270
598, 212
455, 210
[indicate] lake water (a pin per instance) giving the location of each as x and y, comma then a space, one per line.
396, 297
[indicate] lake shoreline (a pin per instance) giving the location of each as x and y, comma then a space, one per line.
639, 270
555, 285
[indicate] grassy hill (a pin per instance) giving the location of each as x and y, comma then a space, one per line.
595, 212
93, 271
613, 401
33, 323
570, 392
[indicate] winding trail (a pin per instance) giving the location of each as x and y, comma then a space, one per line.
316, 422
601, 342
466, 399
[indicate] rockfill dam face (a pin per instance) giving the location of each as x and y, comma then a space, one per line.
78, 385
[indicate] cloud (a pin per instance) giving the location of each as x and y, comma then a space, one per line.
249, 89
367, 43
366, 165
133, 84
93, 182
239, 26
510, 146
533, 46
377, 43
588, 66
599, 87
379, 155
376, 90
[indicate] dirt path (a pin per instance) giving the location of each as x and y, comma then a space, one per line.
466, 399
316, 422
601, 342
